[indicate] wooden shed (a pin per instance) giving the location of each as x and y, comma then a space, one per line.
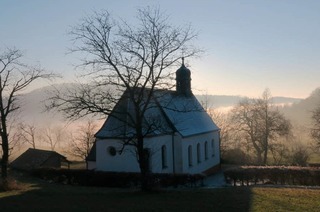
37, 158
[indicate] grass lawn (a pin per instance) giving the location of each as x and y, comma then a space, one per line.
314, 158
46, 197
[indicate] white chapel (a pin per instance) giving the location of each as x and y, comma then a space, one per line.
189, 144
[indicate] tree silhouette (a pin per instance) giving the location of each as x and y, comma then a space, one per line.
82, 142
15, 77
125, 61
260, 123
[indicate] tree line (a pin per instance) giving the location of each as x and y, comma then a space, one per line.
255, 131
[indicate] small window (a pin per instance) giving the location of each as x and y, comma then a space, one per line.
206, 150
190, 155
112, 150
164, 156
198, 153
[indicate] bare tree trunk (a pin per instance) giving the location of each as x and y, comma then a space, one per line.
5, 158
5, 150
143, 163
266, 100
259, 158
265, 153
5, 146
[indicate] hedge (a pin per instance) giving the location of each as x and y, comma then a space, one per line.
115, 179
284, 175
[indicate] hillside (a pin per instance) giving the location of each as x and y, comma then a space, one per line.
222, 101
301, 112
34, 104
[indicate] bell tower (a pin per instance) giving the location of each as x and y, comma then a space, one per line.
183, 80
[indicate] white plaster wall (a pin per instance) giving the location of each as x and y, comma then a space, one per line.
178, 166
204, 164
155, 144
118, 163
127, 162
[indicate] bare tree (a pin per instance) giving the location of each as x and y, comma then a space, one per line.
14, 135
131, 60
260, 123
280, 153
53, 136
228, 136
28, 134
315, 131
15, 77
84, 139
299, 155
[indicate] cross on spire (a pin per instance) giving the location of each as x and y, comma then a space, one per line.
182, 60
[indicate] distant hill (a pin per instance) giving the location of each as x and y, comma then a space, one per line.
218, 101
301, 112
33, 104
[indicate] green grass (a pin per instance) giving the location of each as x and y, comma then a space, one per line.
285, 199
314, 158
38, 196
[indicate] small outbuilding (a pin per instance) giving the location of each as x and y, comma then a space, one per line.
38, 158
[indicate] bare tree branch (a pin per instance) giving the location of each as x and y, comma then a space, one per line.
125, 62
83, 140
15, 77
261, 123
28, 134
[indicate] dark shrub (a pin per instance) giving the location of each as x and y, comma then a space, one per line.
115, 179
300, 157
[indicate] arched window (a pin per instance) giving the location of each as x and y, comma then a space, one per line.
212, 146
198, 153
190, 155
147, 159
164, 156
206, 150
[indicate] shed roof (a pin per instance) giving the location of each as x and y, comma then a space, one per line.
35, 158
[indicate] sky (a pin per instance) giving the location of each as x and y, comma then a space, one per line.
249, 45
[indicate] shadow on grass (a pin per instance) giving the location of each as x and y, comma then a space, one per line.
55, 197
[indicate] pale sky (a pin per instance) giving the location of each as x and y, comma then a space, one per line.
250, 45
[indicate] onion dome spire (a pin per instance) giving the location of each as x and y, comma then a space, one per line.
183, 80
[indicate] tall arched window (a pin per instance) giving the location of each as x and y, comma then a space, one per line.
164, 156
206, 150
213, 149
198, 153
190, 155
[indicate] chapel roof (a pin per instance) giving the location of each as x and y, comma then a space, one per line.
168, 112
